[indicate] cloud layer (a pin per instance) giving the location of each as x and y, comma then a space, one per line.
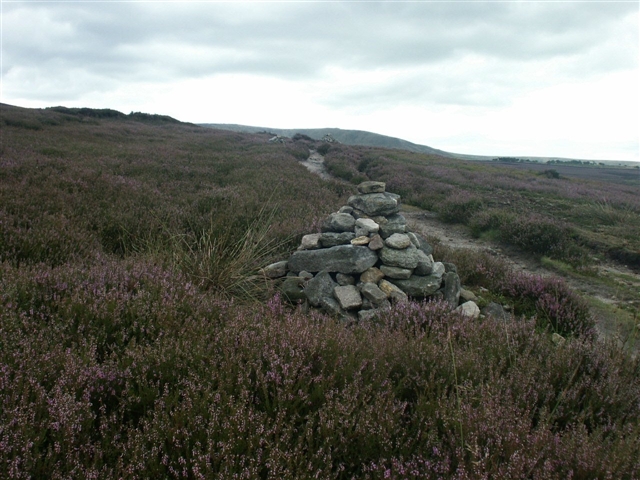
425, 71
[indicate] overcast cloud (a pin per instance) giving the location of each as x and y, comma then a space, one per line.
488, 78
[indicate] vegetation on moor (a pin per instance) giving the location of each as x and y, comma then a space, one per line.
137, 341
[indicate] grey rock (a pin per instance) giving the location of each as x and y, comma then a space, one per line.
372, 275
451, 289
495, 311
347, 259
368, 225
348, 297
437, 269
425, 264
469, 309
419, 287
310, 242
399, 241
557, 339
343, 279
366, 304
331, 306
373, 293
371, 187
331, 239
320, 286
361, 232
339, 222
346, 209
375, 203
414, 239
395, 224
392, 292
292, 290
450, 267
376, 242
363, 240
396, 272
424, 245
306, 276
407, 258
467, 295
275, 270
367, 315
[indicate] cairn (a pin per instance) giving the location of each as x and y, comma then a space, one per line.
364, 259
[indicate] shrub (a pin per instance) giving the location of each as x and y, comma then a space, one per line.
459, 207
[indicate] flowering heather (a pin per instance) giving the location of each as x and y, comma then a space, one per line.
116, 363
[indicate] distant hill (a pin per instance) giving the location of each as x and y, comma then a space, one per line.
348, 137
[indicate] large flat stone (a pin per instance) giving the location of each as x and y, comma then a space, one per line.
418, 287
339, 222
371, 187
331, 239
407, 258
376, 203
348, 297
341, 259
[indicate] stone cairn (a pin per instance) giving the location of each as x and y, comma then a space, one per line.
365, 259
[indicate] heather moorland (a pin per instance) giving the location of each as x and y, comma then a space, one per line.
137, 339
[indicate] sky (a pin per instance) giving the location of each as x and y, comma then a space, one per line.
500, 78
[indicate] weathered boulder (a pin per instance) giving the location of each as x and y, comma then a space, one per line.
367, 225
392, 292
423, 244
376, 242
407, 258
469, 309
275, 270
331, 306
348, 297
372, 275
467, 295
292, 290
399, 241
437, 269
310, 242
320, 286
373, 293
419, 287
341, 259
375, 203
396, 272
395, 224
343, 279
371, 187
362, 240
451, 289
339, 222
425, 264
495, 311
331, 239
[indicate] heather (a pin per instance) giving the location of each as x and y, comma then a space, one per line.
557, 216
136, 341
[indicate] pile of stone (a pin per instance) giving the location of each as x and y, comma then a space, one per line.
365, 259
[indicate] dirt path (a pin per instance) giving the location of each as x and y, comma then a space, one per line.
315, 164
613, 286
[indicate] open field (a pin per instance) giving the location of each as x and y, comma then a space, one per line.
624, 175
137, 341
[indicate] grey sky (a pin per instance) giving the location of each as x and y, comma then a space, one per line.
494, 78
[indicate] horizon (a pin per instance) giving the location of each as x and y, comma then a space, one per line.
550, 79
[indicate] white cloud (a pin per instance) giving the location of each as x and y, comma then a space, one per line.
480, 76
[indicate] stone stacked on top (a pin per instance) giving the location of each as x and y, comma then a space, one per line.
364, 259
